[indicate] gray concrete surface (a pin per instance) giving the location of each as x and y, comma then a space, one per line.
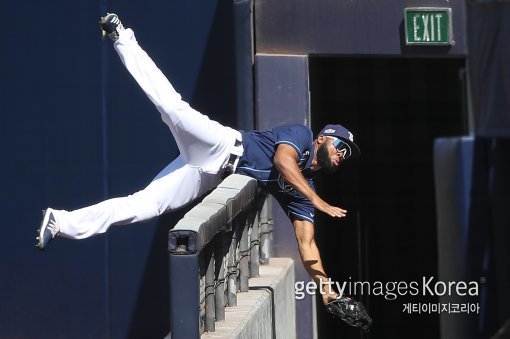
267, 310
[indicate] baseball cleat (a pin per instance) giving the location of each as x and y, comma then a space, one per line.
110, 23
48, 230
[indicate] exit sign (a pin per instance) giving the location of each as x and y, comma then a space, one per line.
428, 26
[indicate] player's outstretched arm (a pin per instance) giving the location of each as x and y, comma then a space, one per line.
310, 256
285, 163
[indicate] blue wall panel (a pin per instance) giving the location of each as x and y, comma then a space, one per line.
471, 179
51, 155
75, 129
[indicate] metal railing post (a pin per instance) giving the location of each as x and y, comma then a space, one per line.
266, 231
244, 269
219, 259
254, 245
232, 271
210, 309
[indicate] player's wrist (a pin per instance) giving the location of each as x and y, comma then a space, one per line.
316, 200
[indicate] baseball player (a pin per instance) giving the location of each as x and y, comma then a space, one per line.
283, 161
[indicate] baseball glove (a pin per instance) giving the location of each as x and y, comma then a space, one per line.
351, 311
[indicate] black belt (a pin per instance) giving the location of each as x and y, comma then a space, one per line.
229, 166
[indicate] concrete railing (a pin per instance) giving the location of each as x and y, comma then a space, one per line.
214, 250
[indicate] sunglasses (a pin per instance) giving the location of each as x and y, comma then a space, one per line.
341, 147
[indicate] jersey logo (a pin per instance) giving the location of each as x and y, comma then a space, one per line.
285, 187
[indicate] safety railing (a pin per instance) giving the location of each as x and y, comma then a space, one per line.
214, 249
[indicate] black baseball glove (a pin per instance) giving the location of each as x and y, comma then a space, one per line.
351, 311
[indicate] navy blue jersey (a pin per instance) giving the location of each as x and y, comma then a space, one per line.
257, 162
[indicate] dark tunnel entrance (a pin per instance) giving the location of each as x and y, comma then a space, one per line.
395, 107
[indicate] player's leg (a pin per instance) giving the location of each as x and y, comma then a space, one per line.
175, 186
202, 141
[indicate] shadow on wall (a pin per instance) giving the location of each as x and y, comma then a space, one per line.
151, 316
215, 91
214, 95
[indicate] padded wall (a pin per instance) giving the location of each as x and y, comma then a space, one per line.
75, 129
472, 190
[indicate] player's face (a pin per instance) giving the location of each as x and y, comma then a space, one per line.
328, 157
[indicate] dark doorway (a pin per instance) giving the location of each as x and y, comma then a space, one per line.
395, 107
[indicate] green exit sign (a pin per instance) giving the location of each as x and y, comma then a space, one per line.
428, 26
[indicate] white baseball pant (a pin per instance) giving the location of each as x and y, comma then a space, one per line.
204, 146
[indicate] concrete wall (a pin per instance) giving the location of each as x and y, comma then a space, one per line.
362, 27
282, 97
267, 310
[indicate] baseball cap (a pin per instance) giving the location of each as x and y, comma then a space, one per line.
345, 135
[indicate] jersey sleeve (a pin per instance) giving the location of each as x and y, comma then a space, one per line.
298, 136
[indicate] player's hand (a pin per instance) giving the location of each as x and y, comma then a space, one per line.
332, 211
328, 296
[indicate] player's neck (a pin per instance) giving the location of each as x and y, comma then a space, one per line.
315, 164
